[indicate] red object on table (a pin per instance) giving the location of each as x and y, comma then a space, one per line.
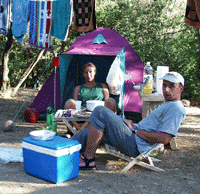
56, 61
31, 115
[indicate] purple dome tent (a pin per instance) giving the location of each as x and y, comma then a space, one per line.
102, 54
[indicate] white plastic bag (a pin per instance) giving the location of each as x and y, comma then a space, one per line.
114, 78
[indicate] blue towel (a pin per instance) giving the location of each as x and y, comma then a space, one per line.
33, 22
4, 17
61, 18
20, 19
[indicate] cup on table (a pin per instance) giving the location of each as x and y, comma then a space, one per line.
78, 105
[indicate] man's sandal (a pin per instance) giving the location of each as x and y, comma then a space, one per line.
87, 163
69, 134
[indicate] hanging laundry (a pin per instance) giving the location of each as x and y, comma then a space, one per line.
4, 17
192, 14
84, 15
20, 19
40, 24
61, 18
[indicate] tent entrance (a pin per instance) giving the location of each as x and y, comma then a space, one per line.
71, 76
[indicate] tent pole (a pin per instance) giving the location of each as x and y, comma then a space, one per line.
122, 96
55, 89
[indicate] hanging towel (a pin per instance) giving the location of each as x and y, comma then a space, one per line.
4, 17
40, 24
84, 15
192, 14
20, 19
61, 18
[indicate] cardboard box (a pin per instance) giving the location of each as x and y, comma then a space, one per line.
56, 160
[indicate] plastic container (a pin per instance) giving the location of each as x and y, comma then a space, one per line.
56, 160
148, 79
91, 104
31, 115
161, 71
42, 134
78, 105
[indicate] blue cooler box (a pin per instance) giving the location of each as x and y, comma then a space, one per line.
56, 160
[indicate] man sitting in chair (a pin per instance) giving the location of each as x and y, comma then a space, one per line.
129, 138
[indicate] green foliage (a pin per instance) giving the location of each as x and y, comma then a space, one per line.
157, 32
108, 14
155, 29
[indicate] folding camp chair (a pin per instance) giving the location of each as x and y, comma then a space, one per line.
139, 159
173, 144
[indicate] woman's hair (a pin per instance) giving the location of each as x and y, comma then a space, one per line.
89, 64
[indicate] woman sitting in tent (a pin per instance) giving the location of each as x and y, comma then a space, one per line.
91, 90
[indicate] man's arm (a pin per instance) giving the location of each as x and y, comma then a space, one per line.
154, 137
129, 123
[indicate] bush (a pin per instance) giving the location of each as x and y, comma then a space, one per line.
157, 32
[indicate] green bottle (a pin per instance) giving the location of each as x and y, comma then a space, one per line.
51, 123
49, 117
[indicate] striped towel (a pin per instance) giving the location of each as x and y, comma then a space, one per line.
20, 19
4, 17
61, 18
40, 24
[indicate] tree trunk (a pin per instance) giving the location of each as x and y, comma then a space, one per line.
5, 70
198, 53
27, 72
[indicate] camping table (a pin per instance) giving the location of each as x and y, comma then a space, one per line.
150, 102
59, 116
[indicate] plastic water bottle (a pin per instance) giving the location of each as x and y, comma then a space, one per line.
51, 123
148, 79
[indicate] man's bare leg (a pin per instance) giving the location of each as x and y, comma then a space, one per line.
94, 139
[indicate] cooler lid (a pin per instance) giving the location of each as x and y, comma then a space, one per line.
57, 143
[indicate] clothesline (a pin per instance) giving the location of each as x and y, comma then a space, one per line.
48, 19
43, 0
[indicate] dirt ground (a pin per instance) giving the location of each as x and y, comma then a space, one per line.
182, 167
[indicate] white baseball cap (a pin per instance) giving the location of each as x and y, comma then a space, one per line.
173, 77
